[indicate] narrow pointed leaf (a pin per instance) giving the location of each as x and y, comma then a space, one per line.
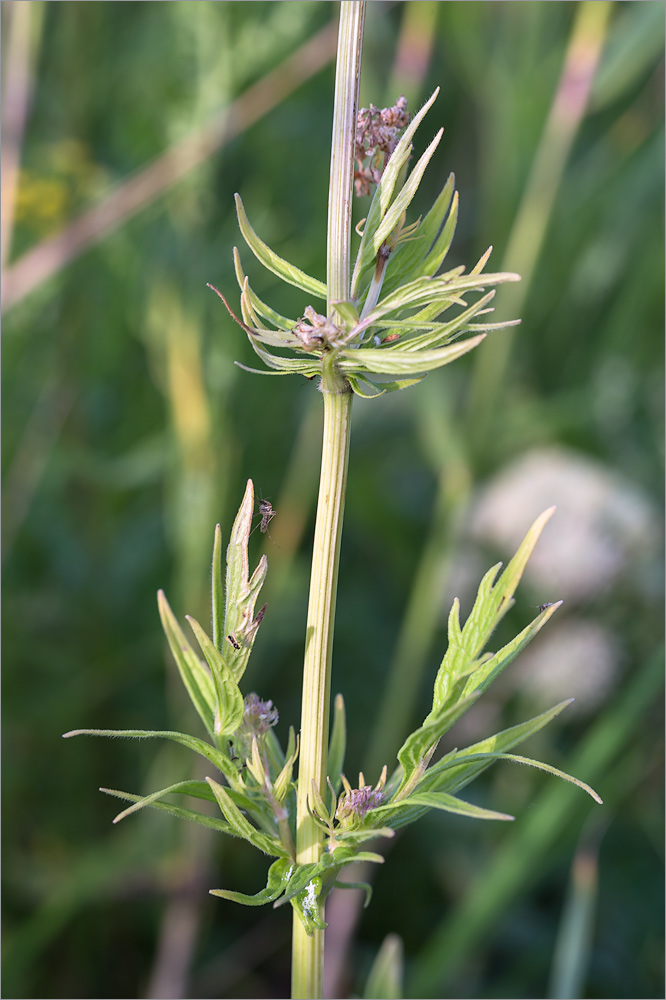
383, 195
240, 826
404, 199
404, 362
230, 706
288, 272
216, 757
445, 802
338, 744
279, 874
456, 771
217, 591
210, 822
199, 789
195, 676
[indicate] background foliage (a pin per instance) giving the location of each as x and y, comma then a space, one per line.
129, 433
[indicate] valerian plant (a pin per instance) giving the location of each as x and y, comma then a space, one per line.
383, 328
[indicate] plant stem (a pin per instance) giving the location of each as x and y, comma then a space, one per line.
308, 951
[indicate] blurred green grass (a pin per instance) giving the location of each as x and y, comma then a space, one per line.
128, 433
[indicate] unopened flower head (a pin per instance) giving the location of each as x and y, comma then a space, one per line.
354, 804
377, 133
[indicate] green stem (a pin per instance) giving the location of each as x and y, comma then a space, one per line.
308, 951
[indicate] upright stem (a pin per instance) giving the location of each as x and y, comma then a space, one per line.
308, 951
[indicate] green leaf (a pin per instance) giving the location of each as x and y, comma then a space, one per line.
397, 362
418, 744
383, 196
217, 591
288, 272
241, 827
338, 744
393, 386
195, 676
230, 705
492, 602
492, 757
404, 199
491, 668
283, 781
260, 307
241, 590
279, 874
212, 754
387, 972
210, 822
449, 803
198, 789
456, 770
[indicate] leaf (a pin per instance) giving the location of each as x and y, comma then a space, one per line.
212, 754
198, 789
491, 668
492, 757
288, 272
408, 259
457, 770
492, 602
217, 591
448, 803
195, 676
387, 972
264, 310
284, 779
241, 827
279, 874
393, 386
230, 705
338, 744
404, 199
383, 195
399, 362
179, 812
241, 590
414, 750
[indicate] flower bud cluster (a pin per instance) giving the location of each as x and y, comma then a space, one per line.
376, 137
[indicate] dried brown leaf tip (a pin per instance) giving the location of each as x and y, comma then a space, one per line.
377, 135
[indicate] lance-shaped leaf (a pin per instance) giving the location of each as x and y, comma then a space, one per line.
242, 590
197, 789
230, 707
210, 822
288, 272
413, 754
279, 874
360, 382
241, 827
404, 199
382, 362
408, 259
540, 765
264, 310
456, 770
194, 674
338, 744
383, 196
492, 602
443, 801
284, 779
212, 754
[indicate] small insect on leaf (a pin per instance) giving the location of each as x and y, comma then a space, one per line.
267, 515
232, 639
